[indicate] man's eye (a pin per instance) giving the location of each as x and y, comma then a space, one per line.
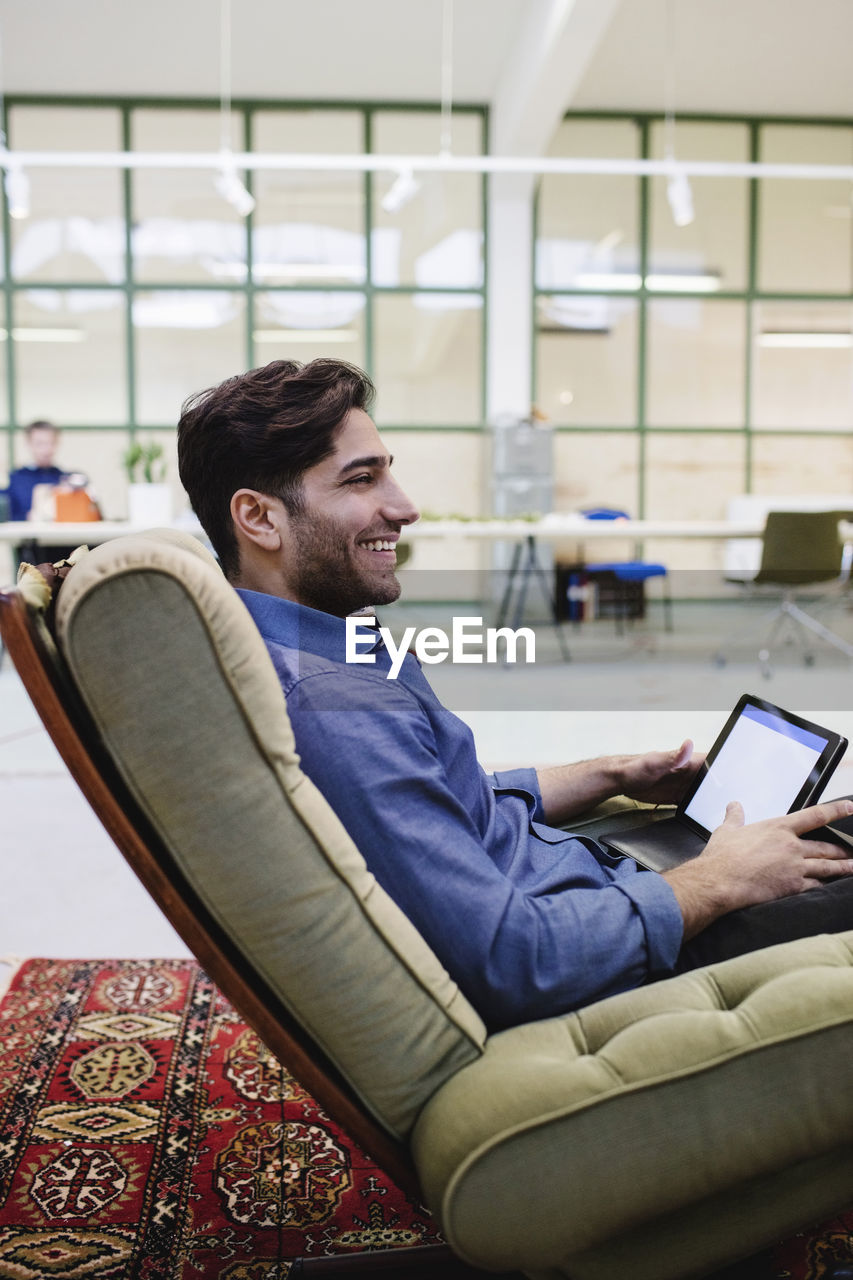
364, 479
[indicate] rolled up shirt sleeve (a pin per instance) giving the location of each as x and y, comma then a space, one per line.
526, 780
660, 913
529, 921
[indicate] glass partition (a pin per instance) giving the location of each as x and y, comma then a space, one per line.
183, 230
70, 356
185, 342
691, 476
780, 464
586, 355
308, 227
75, 230
597, 470
710, 252
301, 326
429, 358
427, 227
696, 362
804, 228
725, 392
588, 225
677, 364
803, 353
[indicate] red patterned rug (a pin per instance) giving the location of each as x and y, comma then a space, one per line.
147, 1134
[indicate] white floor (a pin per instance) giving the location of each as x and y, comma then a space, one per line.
69, 893
68, 890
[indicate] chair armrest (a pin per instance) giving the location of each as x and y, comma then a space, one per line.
617, 814
647, 1115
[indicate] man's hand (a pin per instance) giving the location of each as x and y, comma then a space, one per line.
659, 777
743, 865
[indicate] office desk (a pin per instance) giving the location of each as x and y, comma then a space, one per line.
525, 567
550, 528
523, 533
553, 528
68, 533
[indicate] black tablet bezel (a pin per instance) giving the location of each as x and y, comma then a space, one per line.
812, 788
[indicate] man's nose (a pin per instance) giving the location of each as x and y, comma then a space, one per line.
398, 507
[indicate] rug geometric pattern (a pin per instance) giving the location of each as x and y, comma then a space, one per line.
146, 1132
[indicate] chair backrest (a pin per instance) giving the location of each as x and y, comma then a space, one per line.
604, 513
800, 547
185, 751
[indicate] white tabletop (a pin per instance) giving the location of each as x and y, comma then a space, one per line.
550, 528
68, 533
555, 526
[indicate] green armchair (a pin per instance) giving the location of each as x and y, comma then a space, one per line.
658, 1134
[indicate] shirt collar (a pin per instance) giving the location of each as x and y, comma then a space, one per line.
298, 627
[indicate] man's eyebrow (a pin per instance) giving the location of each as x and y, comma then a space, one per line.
374, 460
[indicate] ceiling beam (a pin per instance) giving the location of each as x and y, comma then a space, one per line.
545, 65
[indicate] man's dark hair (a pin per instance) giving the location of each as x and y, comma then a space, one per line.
40, 424
262, 430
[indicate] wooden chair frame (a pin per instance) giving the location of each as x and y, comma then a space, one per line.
52, 692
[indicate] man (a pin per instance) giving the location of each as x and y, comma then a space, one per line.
42, 441
293, 485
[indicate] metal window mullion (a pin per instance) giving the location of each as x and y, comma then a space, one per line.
128, 290
751, 285
484, 281
250, 294
9, 354
642, 324
534, 297
369, 294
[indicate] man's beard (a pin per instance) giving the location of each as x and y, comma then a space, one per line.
327, 577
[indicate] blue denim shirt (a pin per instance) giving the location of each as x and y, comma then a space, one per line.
529, 920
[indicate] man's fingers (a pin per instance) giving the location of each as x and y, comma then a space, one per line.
820, 869
683, 754
734, 814
825, 849
818, 815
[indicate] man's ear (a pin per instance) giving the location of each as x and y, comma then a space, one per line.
258, 517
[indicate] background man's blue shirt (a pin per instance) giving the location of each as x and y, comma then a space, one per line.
529, 920
22, 481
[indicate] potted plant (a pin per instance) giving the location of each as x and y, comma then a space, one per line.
149, 498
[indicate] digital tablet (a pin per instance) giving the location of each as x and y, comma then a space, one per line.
769, 759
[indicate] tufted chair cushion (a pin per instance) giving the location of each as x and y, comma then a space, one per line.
690, 1119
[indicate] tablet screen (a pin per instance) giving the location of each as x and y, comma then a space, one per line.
764, 762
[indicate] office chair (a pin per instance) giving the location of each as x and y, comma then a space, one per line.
625, 576
658, 1133
799, 549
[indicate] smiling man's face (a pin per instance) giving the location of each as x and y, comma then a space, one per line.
340, 547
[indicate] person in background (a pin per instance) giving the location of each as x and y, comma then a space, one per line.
42, 441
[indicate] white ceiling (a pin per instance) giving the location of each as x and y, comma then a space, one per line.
753, 56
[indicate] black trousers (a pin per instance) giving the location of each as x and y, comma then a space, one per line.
827, 909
